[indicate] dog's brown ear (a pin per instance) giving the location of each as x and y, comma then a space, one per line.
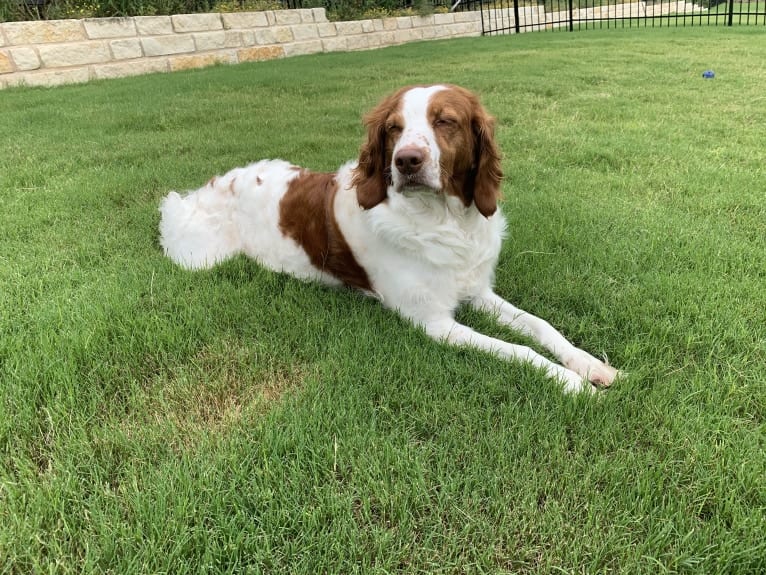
371, 176
488, 170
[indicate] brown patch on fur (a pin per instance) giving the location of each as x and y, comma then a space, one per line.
372, 176
470, 159
307, 215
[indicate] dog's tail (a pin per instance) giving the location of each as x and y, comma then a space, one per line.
200, 229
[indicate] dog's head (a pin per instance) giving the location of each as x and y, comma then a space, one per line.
437, 138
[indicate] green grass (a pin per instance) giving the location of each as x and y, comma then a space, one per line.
159, 421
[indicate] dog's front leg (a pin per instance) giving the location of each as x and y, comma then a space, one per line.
547, 336
458, 334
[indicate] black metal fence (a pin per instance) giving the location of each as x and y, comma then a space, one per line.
515, 16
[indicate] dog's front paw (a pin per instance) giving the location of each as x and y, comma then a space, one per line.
573, 382
592, 369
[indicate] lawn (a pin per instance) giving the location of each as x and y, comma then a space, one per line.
155, 420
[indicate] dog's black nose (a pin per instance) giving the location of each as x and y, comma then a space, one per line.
409, 160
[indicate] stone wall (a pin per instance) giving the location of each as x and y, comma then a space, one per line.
49, 53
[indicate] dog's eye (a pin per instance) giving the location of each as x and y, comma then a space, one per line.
393, 128
445, 122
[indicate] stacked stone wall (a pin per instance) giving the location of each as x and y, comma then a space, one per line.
48, 53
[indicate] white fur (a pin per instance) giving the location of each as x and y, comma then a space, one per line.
424, 252
233, 214
418, 133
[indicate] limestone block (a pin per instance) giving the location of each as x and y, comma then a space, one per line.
123, 69
57, 77
265, 37
307, 15
40, 32
367, 26
258, 53
126, 48
209, 41
202, 60
326, 30
25, 57
464, 29
374, 40
348, 28
247, 37
166, 45
421, 21
283, 34
183, 23
441, 19
77, 54
387, 38
474, 16
234, 39
319, 15
300, 48
334, 44
98, 28
408, 35
11, 80
404, 22
153, 25
6, 64
305, 32
359, 42
389, 24
239, 20
287, 17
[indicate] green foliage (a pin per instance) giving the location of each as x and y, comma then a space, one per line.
246, 5
347, 9
337, 9
18, 10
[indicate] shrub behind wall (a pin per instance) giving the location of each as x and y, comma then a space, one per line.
18, 10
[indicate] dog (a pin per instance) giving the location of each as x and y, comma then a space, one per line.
413, 222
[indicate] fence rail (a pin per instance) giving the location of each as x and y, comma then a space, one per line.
516, 16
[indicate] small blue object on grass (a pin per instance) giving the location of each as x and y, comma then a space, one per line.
707, 74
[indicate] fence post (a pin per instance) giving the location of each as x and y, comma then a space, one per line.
731, 13
571, 15
517, 25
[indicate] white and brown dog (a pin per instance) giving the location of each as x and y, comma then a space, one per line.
413, 222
